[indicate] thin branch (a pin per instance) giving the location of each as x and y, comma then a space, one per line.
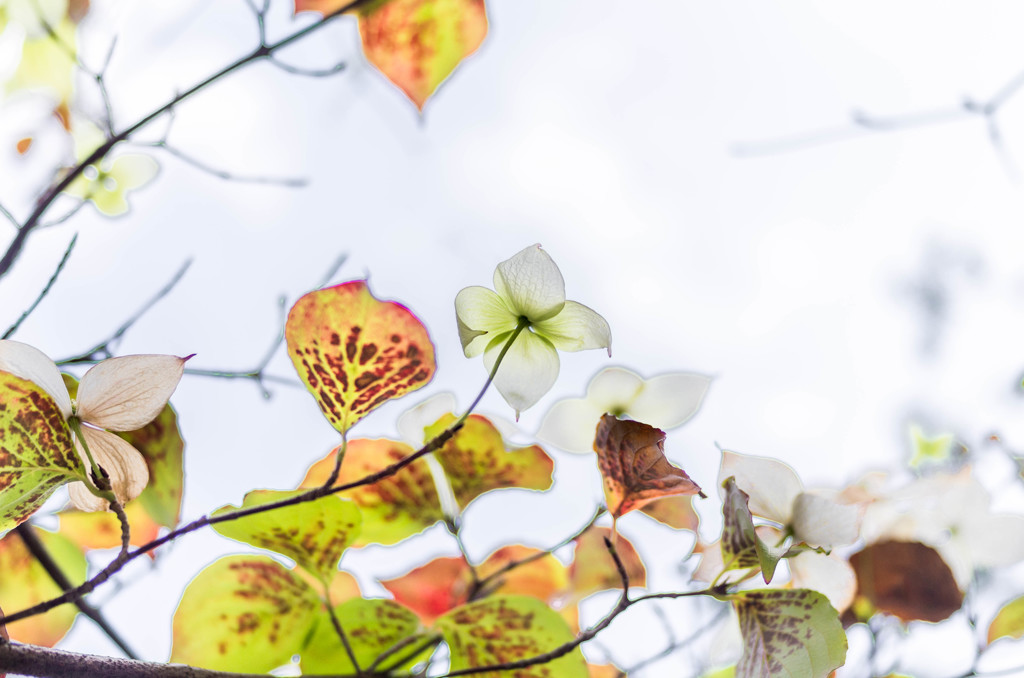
676, 645
46, 289
310, 72
398, 647
38, 550
64, 217
290, 182
340, 631
10, 217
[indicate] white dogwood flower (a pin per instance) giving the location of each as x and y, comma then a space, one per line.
664, 402
528, 290
119, 394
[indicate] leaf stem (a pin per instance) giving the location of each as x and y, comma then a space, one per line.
522, 325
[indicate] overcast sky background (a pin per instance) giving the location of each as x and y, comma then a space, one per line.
615, 137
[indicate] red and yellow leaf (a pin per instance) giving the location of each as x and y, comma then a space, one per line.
36, 452
544, 577
908, 580
24, 583
432, 589
417, 44
102, 529
631, 456
394, 508
593, 568
355, 352
476, 460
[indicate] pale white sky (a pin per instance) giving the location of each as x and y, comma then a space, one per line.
608, 134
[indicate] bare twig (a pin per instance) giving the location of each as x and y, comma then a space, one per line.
10, 217
290, 182
46, 289
310, 72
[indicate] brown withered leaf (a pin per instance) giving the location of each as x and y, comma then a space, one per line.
631, 456
907, 579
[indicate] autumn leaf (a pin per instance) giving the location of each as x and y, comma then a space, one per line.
244, 614
432, 589
677, 512
24, 583
742, 546
23, 145
604, 671
907, 579
372, 627
102, 529
1008, 622
543, 577
162, 447
314, 533
355, 352
37, 455
394, 508
631, 456
788, 632
594, 570
506, 629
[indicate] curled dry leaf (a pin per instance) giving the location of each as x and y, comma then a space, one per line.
907, 579
631, 456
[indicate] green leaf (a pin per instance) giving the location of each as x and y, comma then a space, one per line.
36, 452
355, 352
506, 629
244, 614
1008, 622
162, 446
24, 583
788, 632
372, 627
742, 547
394, 508
314, 533
477, 461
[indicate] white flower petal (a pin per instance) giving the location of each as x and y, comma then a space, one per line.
83, 499
571, 425
829, 575
31, 364
822, 522
576, 328
528, 370
614, 389
531, 284
772, 485
124, 465
413, 421
481, 315
125, 394
669, 400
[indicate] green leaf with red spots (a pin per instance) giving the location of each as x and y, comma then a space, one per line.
163, 448
742, 547
372, 628
1008, 622
36, 452
313, 533
788, 632
506, 629
631, 456
394, 508
355, 352
24, 583
243, 614
476, 460
593, 568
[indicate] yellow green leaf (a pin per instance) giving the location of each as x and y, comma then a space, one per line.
1008, 622
355, 352
594, 570
394, 508
243, 614
506, 629
24, 583
36, 452
788, 632
417, 44
162, 446
314, 533
476, 460
929, 450
371, 626
47, 62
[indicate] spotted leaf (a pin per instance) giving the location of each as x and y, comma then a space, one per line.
593, 568
504, 629
372, 627
36, 453
102, 529
631, 456
742, 547
907, 579
243, 613
477, 461
162, 446
24, 583
1008, 622
394, 508
314, 533
788, 632
355, 352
